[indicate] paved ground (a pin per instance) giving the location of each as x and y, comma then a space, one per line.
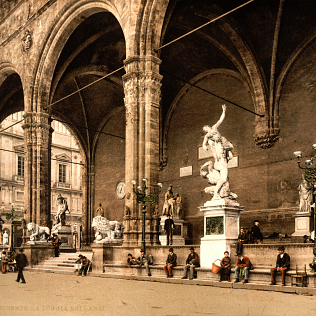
58, 294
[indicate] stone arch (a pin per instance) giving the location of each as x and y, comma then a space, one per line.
182, 93
149, 26
6, 70
285, 72
58, 37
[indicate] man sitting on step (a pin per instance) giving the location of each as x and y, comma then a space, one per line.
282, 265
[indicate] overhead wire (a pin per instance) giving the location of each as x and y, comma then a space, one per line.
213, 94
207, 23
75, 163
156, 50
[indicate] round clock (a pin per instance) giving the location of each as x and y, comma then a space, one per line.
120, 190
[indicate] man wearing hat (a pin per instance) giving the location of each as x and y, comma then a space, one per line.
282, 265
243, 266
21, 262
169, 227
192, 261
170, 263
242, 239
144, 259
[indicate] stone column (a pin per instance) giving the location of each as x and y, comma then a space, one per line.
37, 187
142, 102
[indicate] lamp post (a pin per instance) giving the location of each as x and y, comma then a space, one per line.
309, 175
143, 199
11, 216
75, 233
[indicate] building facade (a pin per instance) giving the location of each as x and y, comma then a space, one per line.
65, 179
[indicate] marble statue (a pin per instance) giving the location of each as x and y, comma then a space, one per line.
306, 195
38, 233
217, 173
106, 231
60, 217
5, 238
169, 206
178, 205
99, 211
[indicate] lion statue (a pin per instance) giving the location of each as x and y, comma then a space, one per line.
106, 230
38, 233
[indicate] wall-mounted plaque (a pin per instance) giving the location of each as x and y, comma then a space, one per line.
186, 171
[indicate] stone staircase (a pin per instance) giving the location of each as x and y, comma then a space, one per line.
65, 263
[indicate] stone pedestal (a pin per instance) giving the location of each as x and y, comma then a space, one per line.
179, 232
302, 226
221, 227
38, 253
65, 236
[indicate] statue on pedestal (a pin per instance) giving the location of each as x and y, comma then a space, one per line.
106, 231
306, 195
38, 233
5, 238
178, 205
169, 206
217, 173
60, 217
99, 211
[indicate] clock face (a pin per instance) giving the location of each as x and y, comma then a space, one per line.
120, 190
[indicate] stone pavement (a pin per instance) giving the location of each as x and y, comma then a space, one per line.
68, 294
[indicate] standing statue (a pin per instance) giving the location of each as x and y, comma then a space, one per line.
5, 238
221, 150
62, 208
178, 205
99, 211
169, 206
306, 195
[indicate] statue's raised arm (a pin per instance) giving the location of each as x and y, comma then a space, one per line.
221, 119
210, 131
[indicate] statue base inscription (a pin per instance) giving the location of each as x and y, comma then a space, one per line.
221, 227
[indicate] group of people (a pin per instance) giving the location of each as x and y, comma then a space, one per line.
19, 260
144, 259
82, 265
243, 265
249, 237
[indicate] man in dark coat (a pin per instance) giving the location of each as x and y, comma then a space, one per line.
282, 265
56, 243
192, 261
170, 263
256, 233
242, 239
21, 262
169, 227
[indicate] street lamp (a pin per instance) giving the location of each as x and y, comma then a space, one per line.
75, 233
143, 199
310, 176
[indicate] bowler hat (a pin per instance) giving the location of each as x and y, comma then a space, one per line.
191, 248
80, 255
171, 249
238, 254
281, 248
